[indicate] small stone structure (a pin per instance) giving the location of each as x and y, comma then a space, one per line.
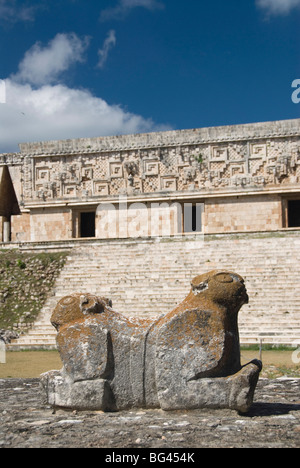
2, 351
187, 359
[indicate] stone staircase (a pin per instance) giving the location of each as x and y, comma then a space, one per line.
152, 276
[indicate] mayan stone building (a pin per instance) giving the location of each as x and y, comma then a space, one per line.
239, 178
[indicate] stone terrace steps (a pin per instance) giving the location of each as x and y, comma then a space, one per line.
152, 276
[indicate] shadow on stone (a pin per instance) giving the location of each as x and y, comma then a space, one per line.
271, 409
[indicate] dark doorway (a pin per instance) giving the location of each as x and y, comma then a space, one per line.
88, 224
8, 203
294, 213
193, 217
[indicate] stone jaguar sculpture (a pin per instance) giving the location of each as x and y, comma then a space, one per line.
187, 359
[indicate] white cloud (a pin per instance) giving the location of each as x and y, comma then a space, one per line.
54, 112
37, 107
125, 6
109, 42
11, 12
43, 65
278, 7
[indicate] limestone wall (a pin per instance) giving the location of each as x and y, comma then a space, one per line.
20, 228
51, 224
257, 213
139, 220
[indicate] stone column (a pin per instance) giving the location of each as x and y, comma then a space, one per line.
6, 230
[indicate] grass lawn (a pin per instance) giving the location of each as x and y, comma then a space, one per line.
275, 363
30, 364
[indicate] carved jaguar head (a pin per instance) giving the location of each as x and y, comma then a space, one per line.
221, 287
76, 307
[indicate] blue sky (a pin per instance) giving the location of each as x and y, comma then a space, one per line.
75, 68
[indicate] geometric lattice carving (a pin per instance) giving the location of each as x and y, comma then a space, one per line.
159, 162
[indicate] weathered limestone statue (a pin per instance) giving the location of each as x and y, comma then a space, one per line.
187, 359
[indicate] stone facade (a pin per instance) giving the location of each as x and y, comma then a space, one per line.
235, 178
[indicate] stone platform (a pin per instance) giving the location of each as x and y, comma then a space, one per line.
274, 422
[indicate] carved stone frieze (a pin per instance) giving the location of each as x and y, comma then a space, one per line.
245, 156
